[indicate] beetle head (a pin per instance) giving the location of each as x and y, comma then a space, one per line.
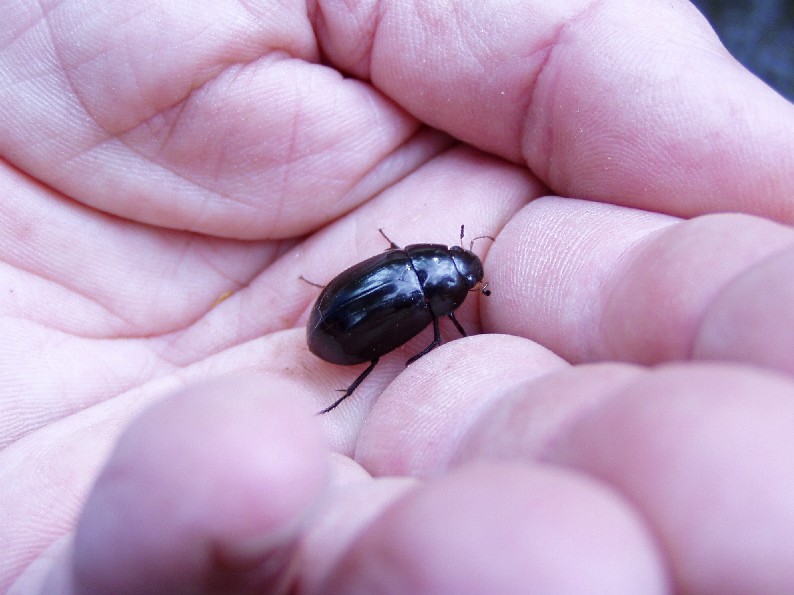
468, 264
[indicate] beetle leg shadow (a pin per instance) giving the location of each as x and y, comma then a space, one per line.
349, 390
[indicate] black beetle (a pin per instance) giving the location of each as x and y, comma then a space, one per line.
380, 303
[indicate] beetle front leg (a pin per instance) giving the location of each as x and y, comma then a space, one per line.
436, 342
451, 316
349, 390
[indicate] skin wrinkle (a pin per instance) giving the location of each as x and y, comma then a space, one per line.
159, 353
174, 370
77, 292
637, 251
548, 447
19, 34
86, 151
67, 69
543, 450
368, 27
548, 170
171, 122
174, 334
187, 90
719, 294
127, 322
251, 8
288, 320
529, 95
181, 107
237, 286
171, 113
62, 282
588, 410
528, 107
372, 27
155, 351
38, 421
394, 153
468, 37
609, 290
290, 152
58, 61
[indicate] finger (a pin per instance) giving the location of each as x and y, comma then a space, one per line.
440, 395
500, 528
625, 102
234, 130
703, 452
69, 454
596, 282
419, 424
352, 503
205, 490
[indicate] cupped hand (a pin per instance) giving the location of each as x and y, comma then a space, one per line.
626, 425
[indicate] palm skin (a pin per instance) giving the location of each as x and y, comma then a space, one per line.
169, 172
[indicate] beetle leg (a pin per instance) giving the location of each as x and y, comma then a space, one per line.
302, 278
436, 342
349, 390
392, 245
458, 326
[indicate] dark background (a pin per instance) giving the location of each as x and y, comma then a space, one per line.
760, 33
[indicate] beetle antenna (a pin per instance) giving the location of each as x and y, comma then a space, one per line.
482, 288
302, 278
471, 245
461, 235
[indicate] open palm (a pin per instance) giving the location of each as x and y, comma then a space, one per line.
171, 170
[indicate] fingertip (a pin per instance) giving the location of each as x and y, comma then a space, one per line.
208, 487
447, 390
501, 528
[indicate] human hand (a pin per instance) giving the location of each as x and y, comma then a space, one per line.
169, 174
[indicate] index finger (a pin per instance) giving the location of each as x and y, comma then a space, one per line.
632, 103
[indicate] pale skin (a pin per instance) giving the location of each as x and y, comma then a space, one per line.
625, 422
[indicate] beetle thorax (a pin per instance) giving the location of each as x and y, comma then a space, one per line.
442, 283
468, 264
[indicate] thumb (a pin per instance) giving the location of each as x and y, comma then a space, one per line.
204, 492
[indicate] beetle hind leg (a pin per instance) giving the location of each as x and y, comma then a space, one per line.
392, 245
349, 390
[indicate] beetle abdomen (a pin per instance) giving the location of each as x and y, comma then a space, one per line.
368, 310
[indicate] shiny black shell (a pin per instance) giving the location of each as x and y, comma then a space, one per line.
380, 303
